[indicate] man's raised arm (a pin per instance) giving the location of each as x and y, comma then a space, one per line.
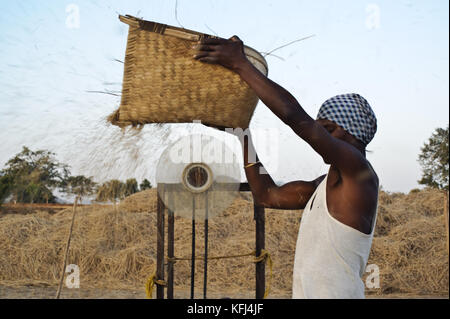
230, 54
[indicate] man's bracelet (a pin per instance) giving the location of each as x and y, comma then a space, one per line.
252, 164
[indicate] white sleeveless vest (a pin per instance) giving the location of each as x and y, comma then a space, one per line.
330, 257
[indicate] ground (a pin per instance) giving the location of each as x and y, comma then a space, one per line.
37, 292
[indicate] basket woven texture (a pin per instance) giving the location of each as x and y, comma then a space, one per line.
162, 82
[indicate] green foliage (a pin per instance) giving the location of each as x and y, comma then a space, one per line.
78, 185
434, 160
145, 185
32, 175
112, 190
131, 187
5, 187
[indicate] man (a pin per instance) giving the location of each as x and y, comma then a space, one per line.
336, 230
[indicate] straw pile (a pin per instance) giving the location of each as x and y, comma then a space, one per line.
410, 244
116, 249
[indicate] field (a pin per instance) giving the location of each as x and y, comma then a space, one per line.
115, 249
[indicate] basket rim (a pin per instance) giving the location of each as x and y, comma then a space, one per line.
157, 27
182, 33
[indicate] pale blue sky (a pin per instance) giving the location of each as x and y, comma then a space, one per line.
394, 53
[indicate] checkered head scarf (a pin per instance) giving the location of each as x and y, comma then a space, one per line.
353, 113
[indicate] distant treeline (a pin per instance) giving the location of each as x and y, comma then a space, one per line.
33, 176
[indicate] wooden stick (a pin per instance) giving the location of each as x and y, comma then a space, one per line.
205, 260
66, 253
170, 248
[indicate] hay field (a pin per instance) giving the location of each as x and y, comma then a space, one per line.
116, 249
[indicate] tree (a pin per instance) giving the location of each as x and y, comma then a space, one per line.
112, 190
80, 186
145, 185
131, 186
33, 174
434, 160
5, 187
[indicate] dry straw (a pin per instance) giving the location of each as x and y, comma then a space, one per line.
163, 83
117, 249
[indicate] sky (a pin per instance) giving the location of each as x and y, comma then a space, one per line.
53, 54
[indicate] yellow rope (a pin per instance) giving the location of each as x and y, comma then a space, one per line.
151, 281
265, 256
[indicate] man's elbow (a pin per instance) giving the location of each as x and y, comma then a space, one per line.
265, 198
273, 199
262, 201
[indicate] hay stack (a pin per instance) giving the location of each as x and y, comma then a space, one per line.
117, 250
410, 243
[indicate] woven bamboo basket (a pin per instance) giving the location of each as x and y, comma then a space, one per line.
162, 82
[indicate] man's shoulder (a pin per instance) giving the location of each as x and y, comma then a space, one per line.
363, 184
363, 174
354, 199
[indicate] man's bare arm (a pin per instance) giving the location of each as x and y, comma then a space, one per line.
229, 53
293, 195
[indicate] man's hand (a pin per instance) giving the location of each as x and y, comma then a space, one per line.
228, 53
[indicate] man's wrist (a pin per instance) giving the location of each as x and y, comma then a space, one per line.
241, 65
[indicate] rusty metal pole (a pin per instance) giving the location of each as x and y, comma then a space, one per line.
205, 260
193, 250
160, 246
170, 248
260, 245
